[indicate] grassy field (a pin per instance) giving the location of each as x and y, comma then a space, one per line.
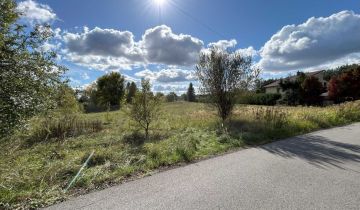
34, 172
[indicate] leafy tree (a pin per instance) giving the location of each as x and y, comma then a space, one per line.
345, 86
221, 74
311, 90
66, 100
171, 97
330, 73
184, 97
29, 76
145, 107
293, 89
131, 92
191, 93
110, 89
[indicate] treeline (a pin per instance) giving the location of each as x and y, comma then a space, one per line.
111, 91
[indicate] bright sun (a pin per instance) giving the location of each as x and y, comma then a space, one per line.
159, 2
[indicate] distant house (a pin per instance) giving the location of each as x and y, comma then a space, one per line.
275, 86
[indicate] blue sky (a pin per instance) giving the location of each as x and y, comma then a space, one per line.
140, 38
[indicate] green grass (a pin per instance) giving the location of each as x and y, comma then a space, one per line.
35, 175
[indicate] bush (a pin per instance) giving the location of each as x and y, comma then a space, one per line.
62, 127
259, 99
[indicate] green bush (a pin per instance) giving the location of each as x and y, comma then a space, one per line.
259, 99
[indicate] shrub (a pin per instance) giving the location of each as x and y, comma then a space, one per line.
62, 127
259, 99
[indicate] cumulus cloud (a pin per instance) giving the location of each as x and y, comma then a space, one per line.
163, 46
35, 12
318, 41
250, 51
101, 42
167, 75
223, 44
109, 48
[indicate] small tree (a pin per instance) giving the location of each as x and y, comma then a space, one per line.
191, 93
145, 107
110, 89
221, 75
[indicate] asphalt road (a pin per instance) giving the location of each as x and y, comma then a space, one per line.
320, 170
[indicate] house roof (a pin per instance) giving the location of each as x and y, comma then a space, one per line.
277, 82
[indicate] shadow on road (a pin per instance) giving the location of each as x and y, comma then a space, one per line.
317, 150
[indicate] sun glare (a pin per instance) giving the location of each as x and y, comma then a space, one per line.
159, 2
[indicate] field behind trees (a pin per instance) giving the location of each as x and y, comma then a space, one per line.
35, 170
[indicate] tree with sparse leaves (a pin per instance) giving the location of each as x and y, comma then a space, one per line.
145, 107
191, 93
29, 75
221, 75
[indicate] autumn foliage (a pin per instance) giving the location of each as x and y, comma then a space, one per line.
346, 86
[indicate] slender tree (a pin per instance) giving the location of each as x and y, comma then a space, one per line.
221, 74
191, 93
145, 107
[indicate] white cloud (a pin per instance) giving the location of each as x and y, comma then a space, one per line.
167, 75
162, 46
223, 44
85, 76
321, 41
34, 12
108, 49
250, 51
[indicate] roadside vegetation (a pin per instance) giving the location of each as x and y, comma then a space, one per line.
48, 130
34, 171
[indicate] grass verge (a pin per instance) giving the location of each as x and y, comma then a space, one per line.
35, 175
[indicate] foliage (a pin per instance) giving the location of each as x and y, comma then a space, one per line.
330, 73
29, 75
66, 101
183, 97
110, 89
221, 74
171, 97
311, 91
131, 90
261, 83
35, 176
145, 108
259, 98
345, 86
302, 89
292, 88
61, 126
190, 95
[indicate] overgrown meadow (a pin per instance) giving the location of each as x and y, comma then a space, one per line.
38, 163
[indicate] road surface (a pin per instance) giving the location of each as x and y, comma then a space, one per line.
320, 170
